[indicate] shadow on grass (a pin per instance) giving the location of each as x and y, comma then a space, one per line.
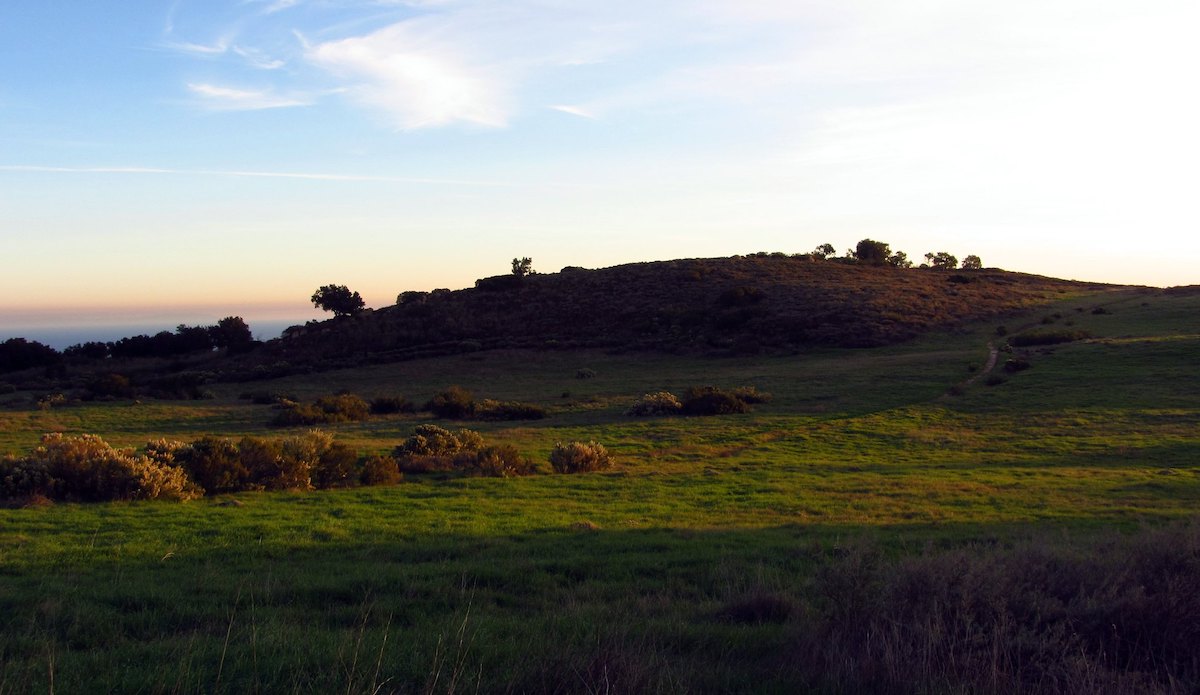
585, 609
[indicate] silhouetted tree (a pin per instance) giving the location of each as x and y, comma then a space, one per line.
972, 262
941, 261
899, 260
872, 252
92, 350
191, 339
231, 333
522, 266
19, 353
338, 299
822, 252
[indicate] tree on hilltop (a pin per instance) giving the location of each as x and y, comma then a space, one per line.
338, 299
941, 260
972, 262
522, 266
822, 252
232, 333
872, 252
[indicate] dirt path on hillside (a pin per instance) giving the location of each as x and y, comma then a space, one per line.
993, 357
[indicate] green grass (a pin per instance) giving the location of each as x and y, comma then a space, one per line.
568, 583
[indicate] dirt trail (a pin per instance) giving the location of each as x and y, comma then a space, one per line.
993, 357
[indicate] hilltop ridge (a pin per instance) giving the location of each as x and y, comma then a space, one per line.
737, 305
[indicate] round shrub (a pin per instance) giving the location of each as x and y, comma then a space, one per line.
386, 405
660, 403
579, 457
500, 461
214, 463
380, 470
337, 466
455, 403
585, 373
709, 400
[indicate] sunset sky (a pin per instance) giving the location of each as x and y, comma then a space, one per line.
222, 157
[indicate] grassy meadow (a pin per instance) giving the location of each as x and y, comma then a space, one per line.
893, 520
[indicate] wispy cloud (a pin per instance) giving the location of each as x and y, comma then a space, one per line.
417, 77
574, 110
230, 99
303, 176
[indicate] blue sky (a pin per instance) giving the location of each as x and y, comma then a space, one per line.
230, 156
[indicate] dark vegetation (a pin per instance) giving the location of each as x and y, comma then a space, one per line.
741, 305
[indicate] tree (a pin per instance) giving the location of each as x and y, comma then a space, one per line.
522, 266
872, 252
338, 299
232, 333
899, 260
822, 252
941, 261
972, 262
19, 353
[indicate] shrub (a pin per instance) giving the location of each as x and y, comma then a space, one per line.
168, 452
431, 440
337, 466
108, 386
302, 453
455, 403
215, 465
380, 470
344, 407
500, 461
21, 477
750, 395
87, 468
299, 414
660, 403
710, 400
579, 457
263, 460
386, 405
488, 409
1016, 364
585, 373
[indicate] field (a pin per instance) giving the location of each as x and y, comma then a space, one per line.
893, 520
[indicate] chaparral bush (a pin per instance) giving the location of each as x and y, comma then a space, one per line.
380, 470
214, 463
488, 409
432, 448
659, 403
455, 403
337, 466
710, 400
86, 468
386, 405
344, 407
499, 461
579, 457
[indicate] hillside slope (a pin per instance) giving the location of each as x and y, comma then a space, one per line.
724, 305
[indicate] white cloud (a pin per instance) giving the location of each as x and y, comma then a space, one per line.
420, 77
229, 99
258, 59
574, 110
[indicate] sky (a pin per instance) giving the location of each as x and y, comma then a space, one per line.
196, 158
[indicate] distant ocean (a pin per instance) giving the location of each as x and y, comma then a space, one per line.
59, 337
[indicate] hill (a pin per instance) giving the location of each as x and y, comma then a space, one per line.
738, 305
